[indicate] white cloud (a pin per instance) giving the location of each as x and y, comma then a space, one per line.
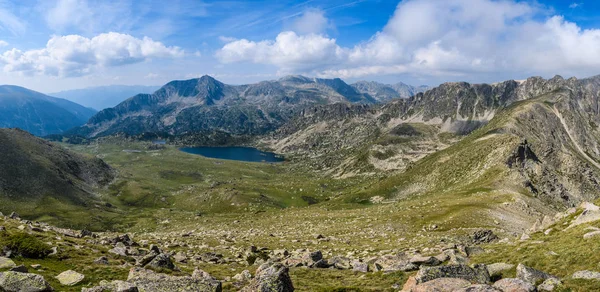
288, 51
86, 15
10, 22
439, 38
575, 5
3, 43
74, 55
227, 39
311, 21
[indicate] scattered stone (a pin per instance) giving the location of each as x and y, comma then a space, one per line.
360, 267
588, 215
18, 282
161, 261
6, 263
242, 277
70, 278
455, 257
36, 266
101, 261
119, 249
180, 257
477, 274
114, 286
271, 277
497, 269
473, 250
587, 275
514, 284
425, 261
549, 285
442, 285
479, 288
20, 269
484, 236
201, 274
14, 215
394, 263
591, 234
149, 281
532, 275
2, 228
340, 263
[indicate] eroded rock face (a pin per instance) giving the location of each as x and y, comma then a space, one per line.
476, 274
271, 277
18, 282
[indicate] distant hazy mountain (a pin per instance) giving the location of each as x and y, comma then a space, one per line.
385, 92
207, 105
103, 97
38, 113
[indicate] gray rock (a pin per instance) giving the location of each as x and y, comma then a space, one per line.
20, 269
101, 261
149, 281
484, 236
242, 277
532, 275
198, 273
6, 263
455, 257
360, 267
425, 261
313, 257
114, 286
473, 250
23, 282
394, 263
591, 234
340, 263
477, 274
497, 269
271, 277
549, 284
70, 278
587, 275
14, 215
514, 284
161, 261
442, 285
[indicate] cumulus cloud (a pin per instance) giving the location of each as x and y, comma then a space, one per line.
74, 55
289, 51
311, 21
430, 37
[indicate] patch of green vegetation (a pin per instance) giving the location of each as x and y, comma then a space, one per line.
25, 245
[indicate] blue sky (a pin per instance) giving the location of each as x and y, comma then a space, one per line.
56, 45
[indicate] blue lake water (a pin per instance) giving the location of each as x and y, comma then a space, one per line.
234, 153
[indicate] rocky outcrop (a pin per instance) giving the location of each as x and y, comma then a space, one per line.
476, 274
531, 275
271, 277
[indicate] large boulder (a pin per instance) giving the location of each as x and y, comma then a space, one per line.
484, 236
271, 277
161, 261
479, 288
514, 285
496, 269
531, 275
114, 286
476, 274
23, 282
149, 281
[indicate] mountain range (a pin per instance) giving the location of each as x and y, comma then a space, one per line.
206, 105
102, 97
38, 113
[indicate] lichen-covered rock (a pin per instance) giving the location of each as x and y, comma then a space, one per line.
514, 285
549, 284
161, 261
442, 285
394, 263
114, 286
20, 282
6, 263
360, 267
149, 281
271, 277
531, 275
496, 269
587, 275
70, 278
425, 261
476, 274
484, 236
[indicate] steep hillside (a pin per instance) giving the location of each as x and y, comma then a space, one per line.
37, 113
207, 105
102, 97
36, 174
